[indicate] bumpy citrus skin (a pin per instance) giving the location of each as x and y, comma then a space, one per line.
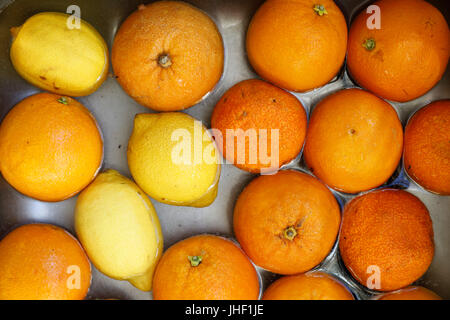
50, 149
289, 201
188, 39
293, 46
307, 286
48, 54
390, 229
426, 154
224, 273
257, 105
40, 262
411, 293
160, 163
354, 141
410, 54
119, 229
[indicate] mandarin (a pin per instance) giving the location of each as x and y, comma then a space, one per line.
205, 267
406, 56
259, 108
426, 154
354, 141
43, 262
307, 286
388, 229
287, 223
167, 55
298, 45
50, 147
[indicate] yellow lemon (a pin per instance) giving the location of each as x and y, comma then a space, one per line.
119, 229
173, 158
51, 51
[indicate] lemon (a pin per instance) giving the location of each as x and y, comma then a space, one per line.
56, 54
119, 229
173, 158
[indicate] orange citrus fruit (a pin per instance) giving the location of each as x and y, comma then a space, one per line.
167, 55
386, 238
307, 286
411, 293
43, 262
298, 45
426, 154
403, 58
205, 267
268, 115
354, 141
287, 223
50, 147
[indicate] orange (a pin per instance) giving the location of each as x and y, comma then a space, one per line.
307, 286
43, 262
386, 235
287, 223
167, 55
205, 267
269, 115
411, 293
50, 147
426, 154
298, 45
354, 141
407, 56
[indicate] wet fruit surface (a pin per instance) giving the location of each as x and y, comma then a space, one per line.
43, 262
411, 293
45, 52
167, 55
205, 267
50, 147
308, 286
354, 141
386, 233
173, 159
413, 36
427, 147
287, 41
119, 229
287, 223
270, 116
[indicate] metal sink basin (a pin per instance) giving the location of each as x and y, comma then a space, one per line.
115, 112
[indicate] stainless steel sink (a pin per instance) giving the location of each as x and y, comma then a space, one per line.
115, 111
